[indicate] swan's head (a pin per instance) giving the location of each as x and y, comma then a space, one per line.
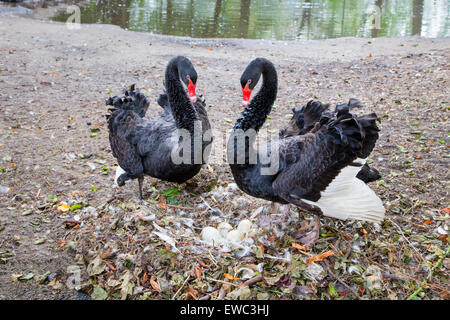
249, 80
188, 76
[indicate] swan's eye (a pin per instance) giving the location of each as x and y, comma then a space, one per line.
249, 81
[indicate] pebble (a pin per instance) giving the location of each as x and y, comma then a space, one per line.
4, 190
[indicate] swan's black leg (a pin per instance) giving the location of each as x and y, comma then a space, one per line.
140, 180
306, 206
312, 236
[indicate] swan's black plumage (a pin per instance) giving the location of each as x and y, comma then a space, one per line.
308, 162
144, 146
304, 119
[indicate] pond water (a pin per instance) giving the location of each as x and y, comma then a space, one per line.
272, 19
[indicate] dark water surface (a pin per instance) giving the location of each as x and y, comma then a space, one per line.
272, 19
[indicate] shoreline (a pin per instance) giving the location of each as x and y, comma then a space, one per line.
342, 49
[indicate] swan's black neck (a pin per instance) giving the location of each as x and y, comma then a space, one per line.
255, 114
182, 109
253, 117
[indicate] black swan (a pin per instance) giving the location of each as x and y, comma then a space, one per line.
304, 119
148, 146
316, 171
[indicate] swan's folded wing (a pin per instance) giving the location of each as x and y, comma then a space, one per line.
307, 166
122, 125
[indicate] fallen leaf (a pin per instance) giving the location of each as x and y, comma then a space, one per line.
163, 203
61, 243
63, 208
262, 250
320, 257
198, 272
155, 284
191, 292
27, 277
144, 278
203, 264
230, 277
111, 266
99, 294
298, 246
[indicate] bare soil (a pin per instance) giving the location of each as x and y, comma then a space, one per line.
54, 149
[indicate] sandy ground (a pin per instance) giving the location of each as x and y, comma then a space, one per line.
54, 81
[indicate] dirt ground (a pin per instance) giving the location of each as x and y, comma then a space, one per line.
54, 150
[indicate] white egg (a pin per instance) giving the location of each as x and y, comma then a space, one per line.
224, 228
211, 236
234, 236
244, 227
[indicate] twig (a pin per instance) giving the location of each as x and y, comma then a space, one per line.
210, 256
207, 296
224, 282
176, 293
403, 235
253, 280
223, 290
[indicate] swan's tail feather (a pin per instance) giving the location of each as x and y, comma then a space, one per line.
133, 100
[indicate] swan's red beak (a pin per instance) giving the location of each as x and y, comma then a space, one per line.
246, 92
191, 91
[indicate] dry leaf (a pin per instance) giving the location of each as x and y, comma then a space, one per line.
191, 292
203, 264
198, 272
110, 266
230, 277
144, 278
298, 246
163, 203
63, 208
155, 284
320, 257
262, 249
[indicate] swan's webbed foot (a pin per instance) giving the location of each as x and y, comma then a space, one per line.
312, 236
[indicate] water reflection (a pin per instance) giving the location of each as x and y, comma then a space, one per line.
277, 19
